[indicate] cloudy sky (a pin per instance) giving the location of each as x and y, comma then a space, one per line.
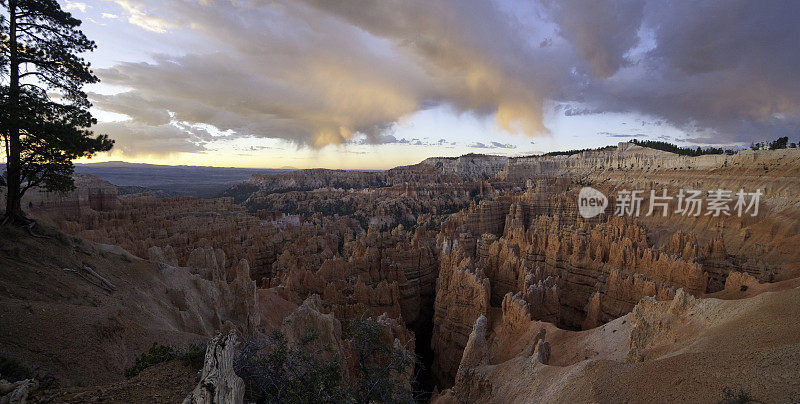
379, 83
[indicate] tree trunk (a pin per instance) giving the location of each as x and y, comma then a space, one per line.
13, 202
14, 182
219, 383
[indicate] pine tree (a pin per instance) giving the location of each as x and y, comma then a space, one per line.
44, 113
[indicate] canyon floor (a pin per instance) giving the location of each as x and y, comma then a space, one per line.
483, 264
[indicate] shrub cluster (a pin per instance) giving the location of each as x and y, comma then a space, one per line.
194, 355
375, 371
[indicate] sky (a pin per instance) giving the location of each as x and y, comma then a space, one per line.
374, 84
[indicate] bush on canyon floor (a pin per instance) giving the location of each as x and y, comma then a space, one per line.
380, 367
157, 354
194, 355
732, 396
275, 371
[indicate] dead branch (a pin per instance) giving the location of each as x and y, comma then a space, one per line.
99, 281
87, 278
101, 278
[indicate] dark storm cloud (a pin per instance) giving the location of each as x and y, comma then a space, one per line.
698, 140
601, 31
133, 105
318, 72
726, 66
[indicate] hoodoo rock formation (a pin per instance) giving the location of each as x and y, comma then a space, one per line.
485, 261
462, 296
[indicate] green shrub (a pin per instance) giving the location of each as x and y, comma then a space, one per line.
62, 238
731, 396
194, 355
274, 371
157, 354
381, 368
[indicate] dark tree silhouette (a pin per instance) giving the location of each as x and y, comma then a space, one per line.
44, 114
780, 143
684, 151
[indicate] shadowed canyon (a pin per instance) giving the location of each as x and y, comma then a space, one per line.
482, 265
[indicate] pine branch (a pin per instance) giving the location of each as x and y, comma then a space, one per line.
26, 74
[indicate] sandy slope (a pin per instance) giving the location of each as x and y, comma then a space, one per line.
56, 322
168, 382
691, 351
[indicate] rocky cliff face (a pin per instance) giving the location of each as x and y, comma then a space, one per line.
356, 261
571, 273
438, 246
469, 166
625, 156
541, 261
306, 180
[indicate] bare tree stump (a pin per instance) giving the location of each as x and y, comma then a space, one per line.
16, 393
219, 383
